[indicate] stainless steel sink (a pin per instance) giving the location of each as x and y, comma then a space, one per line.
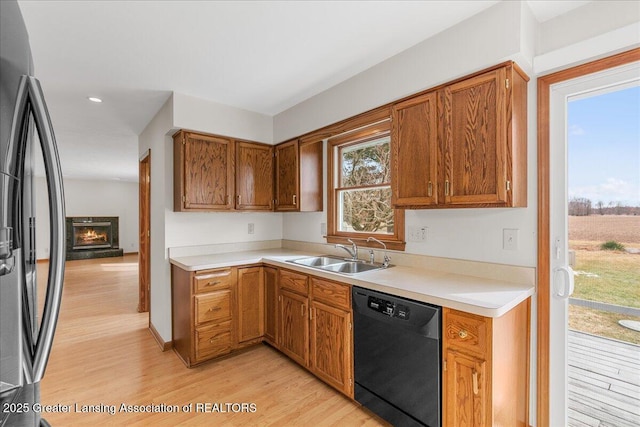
318, 261
352, 267
337, 264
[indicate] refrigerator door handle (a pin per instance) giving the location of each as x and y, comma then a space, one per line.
31, 98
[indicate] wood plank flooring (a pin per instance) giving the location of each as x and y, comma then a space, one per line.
604, 382
104, 356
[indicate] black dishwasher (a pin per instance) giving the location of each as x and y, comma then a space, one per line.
397, 355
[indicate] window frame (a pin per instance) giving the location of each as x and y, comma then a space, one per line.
335, 145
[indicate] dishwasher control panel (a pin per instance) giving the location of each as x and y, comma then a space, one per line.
389, 308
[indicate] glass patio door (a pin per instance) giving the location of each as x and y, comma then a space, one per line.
563, 252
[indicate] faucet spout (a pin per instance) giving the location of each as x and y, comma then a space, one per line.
353, 251
387, 260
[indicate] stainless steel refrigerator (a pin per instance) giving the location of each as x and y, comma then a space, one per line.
26, 334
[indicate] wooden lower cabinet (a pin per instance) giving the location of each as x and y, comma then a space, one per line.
270, 305
315, 327
486, 368
250, 304
331, 356
309, 319
294, 326
466, 393
203, 307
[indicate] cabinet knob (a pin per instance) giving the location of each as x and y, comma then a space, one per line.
463, 334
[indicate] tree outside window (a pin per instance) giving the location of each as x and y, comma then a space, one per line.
360, 188
364, 195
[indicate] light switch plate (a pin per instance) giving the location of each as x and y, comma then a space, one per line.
250, 228
510, 239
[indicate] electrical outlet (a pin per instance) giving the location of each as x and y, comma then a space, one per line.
250, 228
510, 239
323, 228
418, 234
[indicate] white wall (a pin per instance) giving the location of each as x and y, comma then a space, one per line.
591, 20
202, 115
481, 41
91, 198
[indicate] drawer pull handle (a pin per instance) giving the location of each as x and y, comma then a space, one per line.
217, 282
475, 382
430, 189
463, 334
212, 309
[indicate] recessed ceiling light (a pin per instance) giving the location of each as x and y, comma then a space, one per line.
94, 99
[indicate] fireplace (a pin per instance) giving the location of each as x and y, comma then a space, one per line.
92, 237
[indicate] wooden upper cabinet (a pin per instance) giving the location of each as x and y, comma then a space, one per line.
287, 176
254, 176
298, 176
414, 154
203, 172
484, 140
463, 144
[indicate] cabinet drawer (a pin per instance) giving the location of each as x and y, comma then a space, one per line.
213, 340
466, 331
294, 282
214, 306
331, 293
212, 280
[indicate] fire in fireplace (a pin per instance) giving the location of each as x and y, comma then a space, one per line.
91, 235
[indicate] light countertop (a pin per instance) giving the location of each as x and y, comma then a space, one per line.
477, 295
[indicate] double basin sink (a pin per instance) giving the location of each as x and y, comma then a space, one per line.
337, 264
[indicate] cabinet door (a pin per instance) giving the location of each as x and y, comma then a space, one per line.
287, 175
271, 304
310, 179
294, 326
331, 357
414, 151
250, 303
465, 396
254, 176
208, 172
475, 140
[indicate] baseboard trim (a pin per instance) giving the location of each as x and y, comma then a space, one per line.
164, 346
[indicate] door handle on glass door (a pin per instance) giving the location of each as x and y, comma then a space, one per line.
560, 290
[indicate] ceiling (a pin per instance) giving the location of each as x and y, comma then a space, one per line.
263, 56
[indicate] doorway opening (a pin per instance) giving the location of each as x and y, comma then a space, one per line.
603, 224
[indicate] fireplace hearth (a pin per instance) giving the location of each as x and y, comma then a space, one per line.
92, 237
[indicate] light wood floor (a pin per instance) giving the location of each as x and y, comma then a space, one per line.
104, 356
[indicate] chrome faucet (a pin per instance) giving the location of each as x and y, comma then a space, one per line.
387, 260
353, 251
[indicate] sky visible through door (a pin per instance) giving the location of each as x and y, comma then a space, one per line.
604, 209
603, 161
